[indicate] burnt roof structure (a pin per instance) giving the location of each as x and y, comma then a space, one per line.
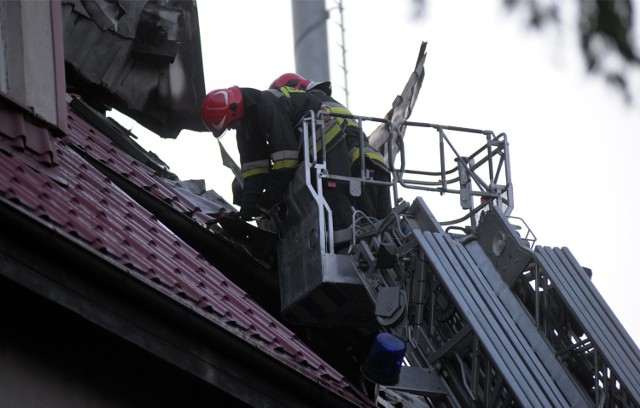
154, 70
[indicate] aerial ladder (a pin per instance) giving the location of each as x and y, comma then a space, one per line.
487, 317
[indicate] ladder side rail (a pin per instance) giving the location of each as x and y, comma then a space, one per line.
430, 346
589, 306
586, 350
597, 319
500, 350
484, 323
573, 345
526, 325
446, 354
424, 350
482, 284
615, 324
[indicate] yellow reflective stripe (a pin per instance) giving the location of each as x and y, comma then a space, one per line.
343, 111
285, 164
333, 132
355, 155
328, 136
253, 168
334, 124
375, 156
370, 154
286, 91
339, 109
254, 172
354, 123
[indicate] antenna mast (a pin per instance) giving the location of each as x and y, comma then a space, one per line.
343, 48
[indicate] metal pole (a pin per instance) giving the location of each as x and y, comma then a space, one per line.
310, 39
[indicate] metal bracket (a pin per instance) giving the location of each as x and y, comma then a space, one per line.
420, 381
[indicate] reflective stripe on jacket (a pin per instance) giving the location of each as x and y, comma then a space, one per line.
370, 153
267, 142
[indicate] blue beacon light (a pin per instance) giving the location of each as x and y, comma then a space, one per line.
384, 361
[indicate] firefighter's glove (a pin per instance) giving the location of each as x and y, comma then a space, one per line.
265, 203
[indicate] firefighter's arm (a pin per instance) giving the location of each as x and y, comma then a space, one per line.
254, 168
284, 153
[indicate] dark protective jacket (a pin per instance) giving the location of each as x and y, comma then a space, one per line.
269, 146
375, 200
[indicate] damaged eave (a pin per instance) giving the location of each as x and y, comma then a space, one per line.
154, 72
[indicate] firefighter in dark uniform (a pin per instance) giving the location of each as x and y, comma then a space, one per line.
375, 199
269, 145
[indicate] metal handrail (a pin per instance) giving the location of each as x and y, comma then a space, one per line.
492, 157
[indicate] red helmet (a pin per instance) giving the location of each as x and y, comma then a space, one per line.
292, 80
298, 82
220, 107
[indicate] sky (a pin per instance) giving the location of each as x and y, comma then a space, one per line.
573, 141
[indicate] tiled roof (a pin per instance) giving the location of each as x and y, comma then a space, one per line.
50, 178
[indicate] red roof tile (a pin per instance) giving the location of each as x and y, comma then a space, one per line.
89, 207
28, 138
